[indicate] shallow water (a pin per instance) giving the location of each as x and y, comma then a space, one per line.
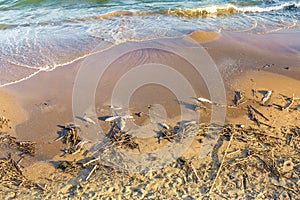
38, 35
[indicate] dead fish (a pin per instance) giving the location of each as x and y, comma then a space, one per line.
164, 126
114, 107
111, 119
127, 117
89, 120
186, 123
202, 100
267, 95
86, 119
119, 121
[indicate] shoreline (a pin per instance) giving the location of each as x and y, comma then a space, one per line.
47, 109
202, 37
243, 65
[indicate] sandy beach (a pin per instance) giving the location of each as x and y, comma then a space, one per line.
256, 154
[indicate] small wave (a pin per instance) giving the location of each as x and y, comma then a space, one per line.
116, 13
211, 10
228, 9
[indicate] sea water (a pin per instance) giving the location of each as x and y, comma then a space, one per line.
39, 35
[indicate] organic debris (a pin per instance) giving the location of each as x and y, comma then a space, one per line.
187, 166
241, 155
4, 122
201, 103
26, 147
252, 116
238, 98
121, 139
12, 175
10, 171
68, 166
202, 100
289, 102
167, 135
266, 95
70, 136
119, 121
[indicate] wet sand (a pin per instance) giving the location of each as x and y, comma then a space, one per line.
11, 109
243, 62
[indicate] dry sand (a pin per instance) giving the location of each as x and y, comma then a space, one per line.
259, 162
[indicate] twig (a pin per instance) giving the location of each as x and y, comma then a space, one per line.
91, 161
195, 172
258, 112
289, 104
270, 126
285, 187
41, 187
244, 181
59, 138
219, 170
234, 152
272, 136
91, 172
